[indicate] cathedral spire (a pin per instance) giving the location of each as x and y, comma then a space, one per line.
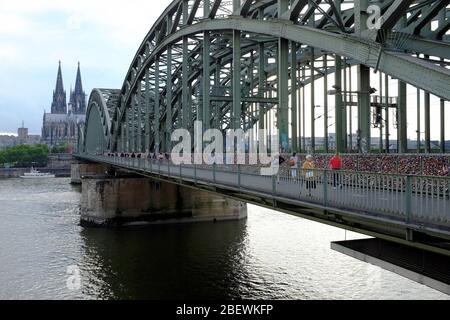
78, 97
59, 95
59, 80
78, 84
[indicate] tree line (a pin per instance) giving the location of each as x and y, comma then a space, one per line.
23, 156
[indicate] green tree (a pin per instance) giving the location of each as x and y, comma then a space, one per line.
62, 148
25, 156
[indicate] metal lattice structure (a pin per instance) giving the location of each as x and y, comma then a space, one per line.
247, 64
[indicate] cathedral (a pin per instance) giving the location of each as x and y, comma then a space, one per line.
65, 120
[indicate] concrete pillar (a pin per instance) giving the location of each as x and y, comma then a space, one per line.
111, 201
78, 170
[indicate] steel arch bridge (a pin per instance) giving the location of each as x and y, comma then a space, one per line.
250, 64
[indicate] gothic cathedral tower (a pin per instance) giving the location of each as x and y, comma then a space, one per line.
78, 97
59, 105
61, 126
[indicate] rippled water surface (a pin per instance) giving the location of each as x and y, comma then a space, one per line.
270, 255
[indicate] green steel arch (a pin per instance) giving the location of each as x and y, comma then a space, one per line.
96, 135
228, 63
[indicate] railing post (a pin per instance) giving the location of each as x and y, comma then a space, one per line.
239, 176
151, 165
214, 172
180, 173
325, 187
195, 173
448, 189
421, 165
408, 199
168, 168
274, 184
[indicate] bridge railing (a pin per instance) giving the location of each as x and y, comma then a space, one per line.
407, 199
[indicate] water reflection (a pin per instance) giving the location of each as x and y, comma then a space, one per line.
269, 256
166, 262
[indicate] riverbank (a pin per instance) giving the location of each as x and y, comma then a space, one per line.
11, 173
58, 164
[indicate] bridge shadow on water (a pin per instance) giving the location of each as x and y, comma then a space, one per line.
194, 261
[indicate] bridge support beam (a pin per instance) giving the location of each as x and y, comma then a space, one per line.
339, 115
237, 99
118, 201
364, 137
427, 122
442, 111
402, 118
283, 93
294, 104
386, 115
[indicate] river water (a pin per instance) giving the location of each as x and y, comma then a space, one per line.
270, 255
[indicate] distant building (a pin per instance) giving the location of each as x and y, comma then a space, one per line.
62, 125
22, 137
7, 141
22, 134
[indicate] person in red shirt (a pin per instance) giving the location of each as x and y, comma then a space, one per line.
336, 165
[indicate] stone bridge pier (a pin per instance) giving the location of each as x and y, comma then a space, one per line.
80, 169
118, 200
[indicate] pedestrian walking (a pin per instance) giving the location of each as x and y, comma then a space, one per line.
293, 163
309, 173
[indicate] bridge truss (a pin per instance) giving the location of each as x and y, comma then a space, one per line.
255, 64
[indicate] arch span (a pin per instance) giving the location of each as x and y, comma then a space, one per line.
97, 132
239, 63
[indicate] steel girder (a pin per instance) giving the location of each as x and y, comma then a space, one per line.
102, 105
332, 33
425, 75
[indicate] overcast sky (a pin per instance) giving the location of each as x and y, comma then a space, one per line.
34, 34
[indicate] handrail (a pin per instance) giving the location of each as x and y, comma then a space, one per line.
404, 175
406, 199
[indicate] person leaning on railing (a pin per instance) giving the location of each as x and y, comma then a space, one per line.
309, 173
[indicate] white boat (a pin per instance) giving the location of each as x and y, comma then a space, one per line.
35, 174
